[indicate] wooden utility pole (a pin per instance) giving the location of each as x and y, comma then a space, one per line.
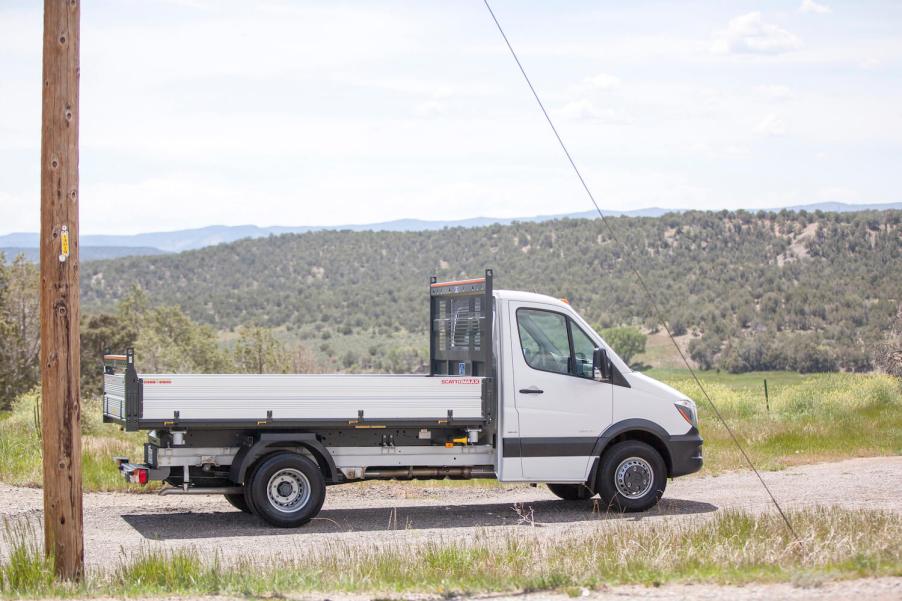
60, 313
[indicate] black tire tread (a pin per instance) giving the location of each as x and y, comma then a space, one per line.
570, 492
238, 501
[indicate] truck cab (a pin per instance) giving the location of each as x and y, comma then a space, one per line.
520, 388
567, 397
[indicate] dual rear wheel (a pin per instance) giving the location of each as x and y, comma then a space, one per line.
285, 489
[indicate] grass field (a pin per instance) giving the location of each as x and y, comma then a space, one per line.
729, 548
20, 446
812, 418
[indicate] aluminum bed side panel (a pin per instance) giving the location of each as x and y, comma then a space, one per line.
240, 396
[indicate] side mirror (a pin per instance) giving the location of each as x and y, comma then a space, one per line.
600, 365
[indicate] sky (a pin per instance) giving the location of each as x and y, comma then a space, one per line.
201, 112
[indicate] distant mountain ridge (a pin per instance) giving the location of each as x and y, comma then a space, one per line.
88, 253
151, 243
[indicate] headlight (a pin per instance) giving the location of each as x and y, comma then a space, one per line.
687, 409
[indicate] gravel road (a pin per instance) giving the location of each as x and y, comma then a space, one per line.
873, 589
384, 512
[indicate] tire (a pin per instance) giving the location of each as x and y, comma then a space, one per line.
287, 490
570, 492
248, 478
630, 462
238, 502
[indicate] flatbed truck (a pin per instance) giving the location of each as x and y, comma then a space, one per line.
520, 389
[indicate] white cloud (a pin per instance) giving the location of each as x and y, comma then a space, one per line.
19, 213
586, 110
839, 194
810, 6
775, 92
771, 125
750, 34
431, 108
601, 82
296, 112
870, 64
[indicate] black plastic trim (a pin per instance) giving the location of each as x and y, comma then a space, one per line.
268, 442
564, 446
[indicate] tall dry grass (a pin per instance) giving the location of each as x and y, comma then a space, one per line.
20, 446
732, 547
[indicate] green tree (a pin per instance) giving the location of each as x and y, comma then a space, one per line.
303, 361
889, 354
627, 342
20, 330
704, 350
100, 333
168, 340
734, 275
258, 352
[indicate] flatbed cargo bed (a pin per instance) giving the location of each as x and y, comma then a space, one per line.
458, 391
145, 401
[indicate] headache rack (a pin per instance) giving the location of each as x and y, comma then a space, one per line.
461, 320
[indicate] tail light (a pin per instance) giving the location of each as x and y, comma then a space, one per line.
138, 476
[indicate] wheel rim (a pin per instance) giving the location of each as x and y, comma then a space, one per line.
288, 490
634, 477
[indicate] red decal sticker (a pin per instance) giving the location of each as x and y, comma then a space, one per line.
460, 381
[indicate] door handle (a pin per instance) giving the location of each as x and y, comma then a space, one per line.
531, 391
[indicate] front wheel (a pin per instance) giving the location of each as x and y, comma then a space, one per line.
632, 476
286, 490
570, 492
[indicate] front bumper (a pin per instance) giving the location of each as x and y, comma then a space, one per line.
685, 453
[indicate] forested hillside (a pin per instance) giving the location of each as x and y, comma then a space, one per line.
806, 291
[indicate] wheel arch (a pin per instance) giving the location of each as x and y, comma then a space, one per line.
269, 444
641, 430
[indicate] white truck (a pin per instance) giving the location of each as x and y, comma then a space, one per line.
520, 388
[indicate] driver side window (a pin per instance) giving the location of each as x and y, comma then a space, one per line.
544, 339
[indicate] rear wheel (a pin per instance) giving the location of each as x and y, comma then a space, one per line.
238, 502
286, 489
632, 476
570, 492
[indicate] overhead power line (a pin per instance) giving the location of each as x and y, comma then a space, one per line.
632, 267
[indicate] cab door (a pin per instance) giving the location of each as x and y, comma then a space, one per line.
561, 409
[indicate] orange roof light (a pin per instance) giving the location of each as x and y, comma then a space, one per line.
565, 301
